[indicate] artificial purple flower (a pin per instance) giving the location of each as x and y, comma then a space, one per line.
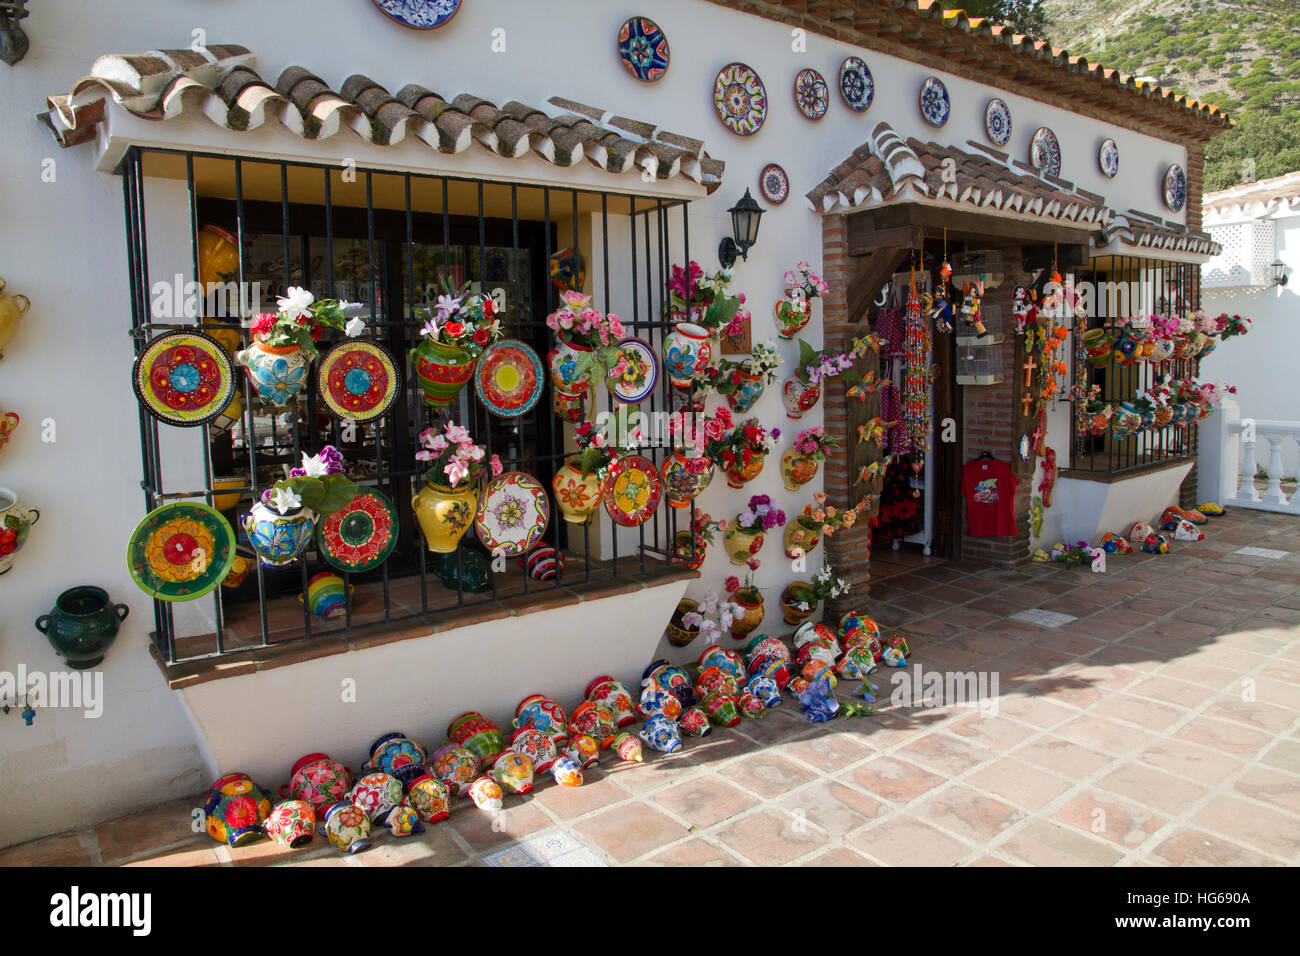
297, 473
776, 433
819, 704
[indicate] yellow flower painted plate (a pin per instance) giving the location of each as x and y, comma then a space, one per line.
513, 513
633, 493
509, 378
180, 551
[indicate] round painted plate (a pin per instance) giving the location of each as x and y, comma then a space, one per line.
638, 380
420, 14
740, 99
643, 49
811, 94
935, 105
512, 514
180, 551
633, 493
1045, 152
358, 380
361, 534
509, 378
774, 184
857, 87
1108, 158
1175, 187
997, 121
184, 378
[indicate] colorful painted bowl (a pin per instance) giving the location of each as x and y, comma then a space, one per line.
325, 595
291, 823
674, 680
614, 696
403, 820
566, 771
695, 722
723, 709
514, 772
318, 780
546, 715
660, 733
765, 689
429, 797
584, 750
656, 701
728, 661
486, 794
536, 746
856, 664
478, 735
774, 668
400, 756
377, 793
456, 767
592, 719
766, 647
713, 679
750, 706
235, 810
347, 826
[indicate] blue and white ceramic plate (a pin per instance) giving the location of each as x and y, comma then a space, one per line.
811, 94
643, 48
997, 121
935, 105
1175, 188
420, 14
1045, 152
774, 184
740, 99
857, 88
1108, 158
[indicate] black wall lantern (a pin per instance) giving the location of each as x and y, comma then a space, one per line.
1279, 272
13, 41
745, 216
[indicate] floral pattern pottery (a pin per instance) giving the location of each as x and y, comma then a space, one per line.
1045, 152
445, 513
178, 552
802, 533
1175, 188
741, 545
235, 810
377, 793
358, 381
82, 626
513, 772
291, 823
778, 670
750, 706
740, 99
8, 422
545, 715
826, 651
403, 821
857, 87
633, 491
347, 827
442, 370
657, 701
361, 535
674, 680
749, 391
765, 689
935, 104
537, 746
184, 378
997, 121
679, 635
564, 361
797, 469
694, 722
723, 709
455, 766
12, 309
614, 696
737, 477
429, 797
774, 184
812, 634
513, 514
509, 378
643, 48
279, 540
401, 757
318, 780
747, 622
681, 485
572, 406
661, 734
1108, 158
856, 664
420, 14
628, 748
687, 350
639, 372
731, 662
764, 646
584, 750
577, 495
811, 94
714, 678
566, 771
478, 735
798, 397
277, 372
595, 721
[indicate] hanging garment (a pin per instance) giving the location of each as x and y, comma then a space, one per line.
900, 511
989, 487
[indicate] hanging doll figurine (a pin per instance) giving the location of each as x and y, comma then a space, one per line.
1049, 476
941, 310
1022, 308
970, 308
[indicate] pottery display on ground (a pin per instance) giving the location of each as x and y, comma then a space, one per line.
292, 823
544, 714
614, 696
430, 798
536, 745
661, 734
235, 810
347, 826
83, 625
377, 793
478, 735
513, 772
318, 780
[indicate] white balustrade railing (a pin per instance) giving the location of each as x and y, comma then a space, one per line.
1230, 452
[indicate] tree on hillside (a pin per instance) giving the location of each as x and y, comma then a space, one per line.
1258, 147
1023, 16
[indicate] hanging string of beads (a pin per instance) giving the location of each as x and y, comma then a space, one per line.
916, 378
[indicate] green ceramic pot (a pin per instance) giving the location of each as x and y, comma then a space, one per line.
82, 626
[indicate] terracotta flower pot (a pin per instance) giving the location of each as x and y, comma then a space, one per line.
747, 622
797, 592
803, 533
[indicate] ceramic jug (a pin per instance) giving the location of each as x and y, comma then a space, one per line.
83, 625
15, 523
12, 309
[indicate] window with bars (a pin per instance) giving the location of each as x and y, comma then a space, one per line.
385, 240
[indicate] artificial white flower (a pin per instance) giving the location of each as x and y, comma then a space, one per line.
296, 302
285, 500
315, 466
355, 327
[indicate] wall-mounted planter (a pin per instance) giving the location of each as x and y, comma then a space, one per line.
83, 625
15, 522
12, 309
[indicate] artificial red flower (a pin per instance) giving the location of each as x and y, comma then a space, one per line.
489, 306
455, 329
751, 432
732, 584
481, 335
262, 324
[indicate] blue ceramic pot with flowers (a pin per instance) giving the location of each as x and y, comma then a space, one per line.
277, 372
687, 351
748, 391
278, 539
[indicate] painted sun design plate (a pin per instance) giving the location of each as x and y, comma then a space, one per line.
638, 379
420, 14
184, 378
1108, 158
774, 184
857, 87
811, 94
360, 535
935, 104
1045, 152
513, 514
509, 378
358, 380
643, 48
1175, 187
997, 121
633, 493
180, 551
740, 99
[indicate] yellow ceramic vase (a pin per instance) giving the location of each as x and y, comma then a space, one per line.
802, 533
797, 469
445, 513
741, 545
12, 309
577, 495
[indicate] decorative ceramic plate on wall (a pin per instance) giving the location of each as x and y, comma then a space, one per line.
180, 551
358, 380
643, 48
633, 492
935, 105
811, 94
774, 184
509, 378
740, 99
512, 514
997, 121
635, 376
419, 14
1045, 152
184, 378
361, 534
1108, 158
1175, 187
857, 87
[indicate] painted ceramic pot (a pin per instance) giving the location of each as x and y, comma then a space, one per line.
687, 350
279, 540
747, 393
797, 469
674, 680
291, 823
614, 696
478, 735
679, 635
403, 821
628, 748
742, 626
318, 780
584, 750
751, 706
694, 722
564, 360
763, 646
803, 534
429, 797
218, 254
571, 406
1164, 350
657, 701
442, 370
1162, 416
714, 680
798, 397
537, 746
377, 793
82, 626
1205, 344
545, 715
856, 664
235, 810
852, 621
723, 709
661, 734
15, 524
8, 422
401, 757
514, 772
577, 495
681, 484
798, 602
455, 766
741, 545
347, 826
765, 689
729, 661
594, 720
326, 595
566, 771
815, 670
822, 651
12, 309
277, 372
809, 633
737, 477
778, 670
445, 513
1097, 346
486, 794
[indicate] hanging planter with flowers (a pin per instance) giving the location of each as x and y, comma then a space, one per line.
688, 470
457, 330
815, 522
800, 599
800, 461
579, 485
750, 600
446, 504
802, 391
744, 534
742, 383
691, 545
742, 451
284, 342
586, 340
280, 525
802, 285
703, 311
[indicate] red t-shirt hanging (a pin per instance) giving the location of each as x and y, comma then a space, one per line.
990, 491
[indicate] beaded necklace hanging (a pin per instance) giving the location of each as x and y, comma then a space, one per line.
916, 378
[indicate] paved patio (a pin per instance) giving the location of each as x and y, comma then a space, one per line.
1160, 728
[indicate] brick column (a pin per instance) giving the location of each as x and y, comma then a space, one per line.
1195, 184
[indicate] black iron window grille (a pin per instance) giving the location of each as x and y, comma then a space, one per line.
385, 240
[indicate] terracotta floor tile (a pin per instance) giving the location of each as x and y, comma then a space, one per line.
1019, 783
1154, 788
1184, 759
1191, 847
1120, 821
836, 808
899, 840
948, 755
781, 723
1148, 714
1259, 827
769, 838
969, 812
1101, 734
197, 855
1228, 737
658, 769
519, 818
829, 752
895, 780
1256, 714
1281, 790
694, 852
434, 847
1170, 691
839, 856
598, 789
163, 826
768, 774
628, 831
1066, 690
1285, 756
992, 731
1035, 710
1043, 843
63, 850
703, 800
1066, 757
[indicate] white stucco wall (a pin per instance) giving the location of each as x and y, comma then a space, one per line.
63, 246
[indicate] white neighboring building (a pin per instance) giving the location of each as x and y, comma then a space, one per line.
1258, 225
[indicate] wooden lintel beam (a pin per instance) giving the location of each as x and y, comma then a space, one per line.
864, 239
